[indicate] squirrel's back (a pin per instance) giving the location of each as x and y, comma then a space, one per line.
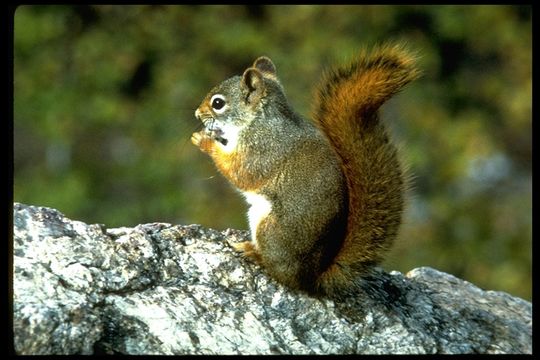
346, 111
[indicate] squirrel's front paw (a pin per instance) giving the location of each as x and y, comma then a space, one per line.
197, 137
247, 249
201, 140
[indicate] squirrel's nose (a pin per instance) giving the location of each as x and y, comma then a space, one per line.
197, 113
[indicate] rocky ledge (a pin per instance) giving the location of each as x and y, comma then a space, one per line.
171, 289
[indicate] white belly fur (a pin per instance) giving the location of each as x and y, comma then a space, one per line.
259, 209
231, 133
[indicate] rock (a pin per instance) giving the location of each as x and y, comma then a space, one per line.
170, 289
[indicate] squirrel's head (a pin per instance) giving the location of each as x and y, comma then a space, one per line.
237, 101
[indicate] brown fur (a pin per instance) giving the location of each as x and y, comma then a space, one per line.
231, 165
346, 111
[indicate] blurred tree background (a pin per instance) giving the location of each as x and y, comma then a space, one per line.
104, 99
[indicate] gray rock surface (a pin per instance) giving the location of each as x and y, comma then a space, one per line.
170, 289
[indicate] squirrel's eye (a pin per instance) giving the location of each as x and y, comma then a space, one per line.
218, 103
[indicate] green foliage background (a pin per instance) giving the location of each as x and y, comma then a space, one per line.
104, 99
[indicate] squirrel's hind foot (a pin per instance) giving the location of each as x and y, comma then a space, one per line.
247, 249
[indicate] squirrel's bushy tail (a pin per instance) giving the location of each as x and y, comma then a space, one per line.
346, 110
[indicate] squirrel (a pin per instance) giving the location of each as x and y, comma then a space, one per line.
326, 196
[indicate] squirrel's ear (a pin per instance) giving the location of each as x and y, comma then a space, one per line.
266, 66
253, 84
